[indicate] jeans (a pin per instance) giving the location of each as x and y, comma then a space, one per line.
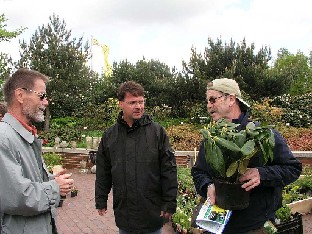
155, 232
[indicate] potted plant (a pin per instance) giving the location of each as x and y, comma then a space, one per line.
287, 222
229, 151
74, 191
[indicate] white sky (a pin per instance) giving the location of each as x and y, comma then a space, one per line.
166, 29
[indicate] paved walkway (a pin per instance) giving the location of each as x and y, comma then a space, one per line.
78, 214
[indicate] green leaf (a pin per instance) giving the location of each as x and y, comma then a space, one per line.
232, 169
248, 147
227, 144
253, 133
204, 132
217, 161
243, 164
271, 139
208, 150
250, 126
240, 138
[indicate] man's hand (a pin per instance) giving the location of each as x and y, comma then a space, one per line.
102, 212
211, 194
251, 179
64, 183
166, 216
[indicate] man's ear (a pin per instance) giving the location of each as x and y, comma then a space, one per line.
120, 103
232, 99
19, 95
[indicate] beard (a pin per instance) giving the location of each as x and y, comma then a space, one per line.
33, 114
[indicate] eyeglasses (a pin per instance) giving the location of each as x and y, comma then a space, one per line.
213, 100
133, 103
40, 95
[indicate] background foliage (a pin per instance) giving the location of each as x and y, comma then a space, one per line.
279, 91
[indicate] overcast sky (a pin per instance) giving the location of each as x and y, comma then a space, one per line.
166, 29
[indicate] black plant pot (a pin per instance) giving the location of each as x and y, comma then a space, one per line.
73, 193
230, 196
61, 201
293, 226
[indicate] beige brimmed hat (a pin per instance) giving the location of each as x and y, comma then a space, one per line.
228, 86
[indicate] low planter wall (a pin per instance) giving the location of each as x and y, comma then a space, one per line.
183, 158
302, 206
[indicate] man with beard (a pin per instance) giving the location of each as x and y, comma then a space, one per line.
136, 160
29, 194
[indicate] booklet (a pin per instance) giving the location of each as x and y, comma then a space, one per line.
212, 218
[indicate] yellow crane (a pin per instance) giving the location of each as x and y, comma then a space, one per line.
108, 71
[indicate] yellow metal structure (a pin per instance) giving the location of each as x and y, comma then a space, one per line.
108, 71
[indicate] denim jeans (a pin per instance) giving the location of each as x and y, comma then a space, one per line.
155, 232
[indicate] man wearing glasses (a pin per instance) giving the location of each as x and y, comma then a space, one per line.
28, 193
265, 183
136, 160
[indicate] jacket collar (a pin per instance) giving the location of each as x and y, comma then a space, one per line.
243, 120
144, 120
18, 127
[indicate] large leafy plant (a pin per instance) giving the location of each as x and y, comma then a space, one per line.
228, 151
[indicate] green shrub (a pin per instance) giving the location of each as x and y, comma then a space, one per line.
265, 113
186, 201
159, 113
52, 159
98, 117
297, 109
283, 213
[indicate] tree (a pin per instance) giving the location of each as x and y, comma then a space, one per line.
237, 61
153, 75
294, 71
52, 51
6, 35
6, 62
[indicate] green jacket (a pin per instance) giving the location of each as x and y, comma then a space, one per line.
139, 164
28, 197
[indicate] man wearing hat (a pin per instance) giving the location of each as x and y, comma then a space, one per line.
265, 183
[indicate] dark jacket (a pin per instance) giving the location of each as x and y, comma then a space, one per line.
139, 164
266, 198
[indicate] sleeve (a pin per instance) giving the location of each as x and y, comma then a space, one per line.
103, 182
284, 169
20, 195
201, 173
168, 168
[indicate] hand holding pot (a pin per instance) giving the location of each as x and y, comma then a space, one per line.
251, 179
211, 194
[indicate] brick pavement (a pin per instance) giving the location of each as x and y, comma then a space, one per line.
78, 214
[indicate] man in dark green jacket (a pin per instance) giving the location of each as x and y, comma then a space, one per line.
136, 160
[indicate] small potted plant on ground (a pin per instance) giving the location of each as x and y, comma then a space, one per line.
287, 222
74, 191
228, 152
